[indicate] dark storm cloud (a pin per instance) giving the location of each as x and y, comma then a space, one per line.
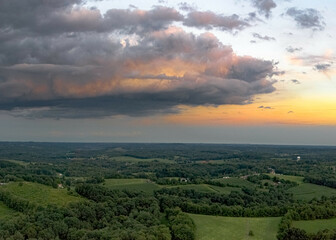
59, 59
291, 49
266, 38
264, 6
139, 20
210, 20
307, 18
52, 17
48, 17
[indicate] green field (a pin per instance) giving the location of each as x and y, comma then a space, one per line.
207, 188
296, 179
15, 161
236, 182
5, 212
135, 160
215, 228
313, 226
308, 191
196, 187
40, 194
145, 185
132, 184
224, 190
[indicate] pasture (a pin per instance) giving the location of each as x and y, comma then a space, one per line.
291, 178
235, 181
40, 194
308, 191
22, 163
132, 184
313, 226
136, 160
145, 185
214, 228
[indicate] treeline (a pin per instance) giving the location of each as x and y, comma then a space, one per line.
16, 203
324, 180
322, 209
248, 203
181, 225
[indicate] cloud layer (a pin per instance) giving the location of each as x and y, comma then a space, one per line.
60, 59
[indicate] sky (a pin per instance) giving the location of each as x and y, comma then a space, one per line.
233, 71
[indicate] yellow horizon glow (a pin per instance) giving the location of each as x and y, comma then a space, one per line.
303, 111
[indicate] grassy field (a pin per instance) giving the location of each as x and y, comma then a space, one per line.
132, 185
5, 212
214, 228
307, 191
236, 182
225, 190
296, 179
135, 184
15, 161
135, 160
197, 187
313, 226
40, 194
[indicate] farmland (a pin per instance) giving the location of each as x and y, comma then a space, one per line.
149, 187
143, 185
234, 181
40, 194
136, 160
308, 191
313, 226
296, 179
213, 227
232, 196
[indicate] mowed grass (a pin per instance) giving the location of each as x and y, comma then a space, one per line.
291, 178
236, 182
313, 226
136, 160
5, 212
40, 194
215, 228
308, 191
143, 185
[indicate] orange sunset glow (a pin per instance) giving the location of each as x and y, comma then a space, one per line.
122, 67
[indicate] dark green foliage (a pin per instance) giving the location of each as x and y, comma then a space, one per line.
114, 215
181, 225
322, 209
130, 214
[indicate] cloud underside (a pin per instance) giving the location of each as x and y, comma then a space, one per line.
307, 18
264, 6
60, 59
